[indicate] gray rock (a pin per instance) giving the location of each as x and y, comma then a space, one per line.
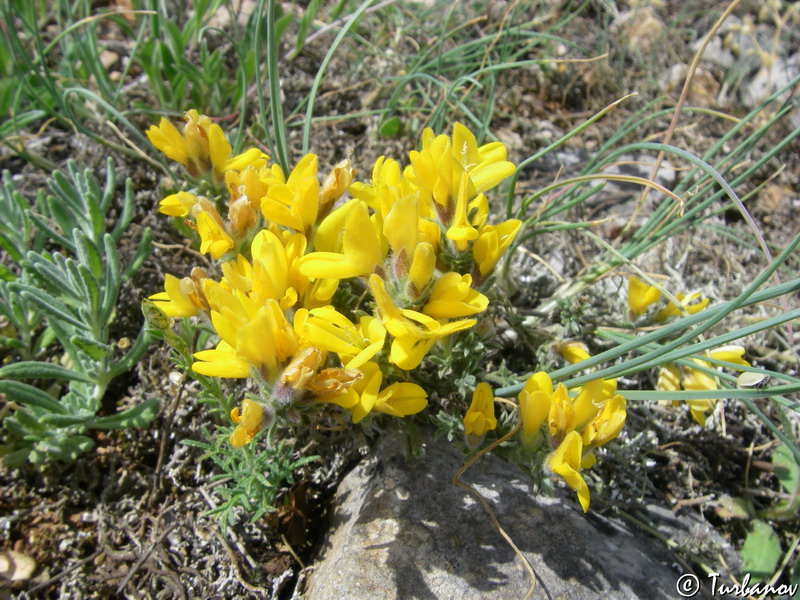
401, 529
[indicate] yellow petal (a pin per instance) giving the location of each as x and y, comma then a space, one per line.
401, 399
566, 463
641, 295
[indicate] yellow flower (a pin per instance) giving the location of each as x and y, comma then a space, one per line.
433, 169
252, 183
607, 424
252, 336
202, 149
221, 361
480, 416
673, 310
401, 399
271, 270
573, 351
179, 298
385, 176
670, 379
492, 243
177, 205
414, 333
561, 419
328, 329
401, 225
361, 248
566, 463
213, 237
534, 403
295, 204
398, 399
641, 295
450, 172
453, 297
590, 398
249, 422
487, 165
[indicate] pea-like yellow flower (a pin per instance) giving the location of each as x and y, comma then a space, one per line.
398, 400
252, 183
178, 205
202, 148
328, 329
607, 424
590, 398
401, 399
573, 351
480, 416
492, 242
249, 422
401, 226
453, 297
487, 165
294, 204
687, 303
566, 463
414, 332
641, 295
252, 336
673, 378
213, 237
534, 403
361, 248
561, 419
179, 298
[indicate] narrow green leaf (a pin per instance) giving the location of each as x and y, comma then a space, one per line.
81, 418
28, 395
126, 216
50, 305
45, 338
45, 226
138, 416
144, 250
17, 458
32, 369
50, 277
96, 350
110, 188
87, 253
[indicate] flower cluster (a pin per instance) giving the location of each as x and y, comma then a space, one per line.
415, 245
572, 427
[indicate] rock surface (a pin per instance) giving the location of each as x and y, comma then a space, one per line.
401, 529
